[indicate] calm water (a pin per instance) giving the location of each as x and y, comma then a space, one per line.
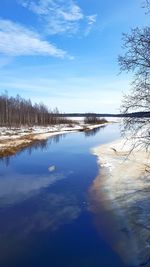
45, 219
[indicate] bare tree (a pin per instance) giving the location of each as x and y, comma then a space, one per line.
137, 60
16, 111
146, 5
137, 55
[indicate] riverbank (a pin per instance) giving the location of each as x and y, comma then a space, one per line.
121, 192
14, 139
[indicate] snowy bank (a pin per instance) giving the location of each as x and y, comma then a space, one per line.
121, 193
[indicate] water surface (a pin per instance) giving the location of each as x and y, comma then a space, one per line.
45, 220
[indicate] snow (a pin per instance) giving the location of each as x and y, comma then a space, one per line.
123, 188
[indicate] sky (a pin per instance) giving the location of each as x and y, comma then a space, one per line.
64, 53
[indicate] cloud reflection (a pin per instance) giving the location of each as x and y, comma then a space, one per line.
46, 212
22, 186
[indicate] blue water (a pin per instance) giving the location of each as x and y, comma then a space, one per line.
45, 220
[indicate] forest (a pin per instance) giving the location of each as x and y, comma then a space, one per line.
17, 112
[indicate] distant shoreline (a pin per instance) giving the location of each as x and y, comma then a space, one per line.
145, 114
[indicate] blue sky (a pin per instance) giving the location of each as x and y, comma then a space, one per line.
64, 52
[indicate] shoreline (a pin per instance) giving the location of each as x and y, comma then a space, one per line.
121, 193
14, 140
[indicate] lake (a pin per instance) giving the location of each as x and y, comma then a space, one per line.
45, 215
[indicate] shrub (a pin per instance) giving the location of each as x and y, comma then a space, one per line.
93, 119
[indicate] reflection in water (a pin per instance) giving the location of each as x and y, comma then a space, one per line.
5, 160
44, 220
50, 211
94, 131
19, 187
28, 206
47, 212
38, 144
42, 145
57, 138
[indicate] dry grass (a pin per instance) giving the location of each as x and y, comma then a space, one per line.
12, 147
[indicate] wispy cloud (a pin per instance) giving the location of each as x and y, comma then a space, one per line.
91, 21
59, 16
17, 40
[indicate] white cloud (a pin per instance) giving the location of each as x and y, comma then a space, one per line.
92, 19
17, 40
58, 16
71, 13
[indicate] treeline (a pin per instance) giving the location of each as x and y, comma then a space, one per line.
91, 118
16, 112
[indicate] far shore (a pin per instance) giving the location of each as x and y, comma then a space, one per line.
15, 139
121, 192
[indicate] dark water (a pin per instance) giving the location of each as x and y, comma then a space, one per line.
45, 219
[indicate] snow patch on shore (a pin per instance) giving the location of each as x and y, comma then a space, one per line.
122, 189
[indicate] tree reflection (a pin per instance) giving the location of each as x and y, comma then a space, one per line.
37, 145
94, 131
42, 145
5, 160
